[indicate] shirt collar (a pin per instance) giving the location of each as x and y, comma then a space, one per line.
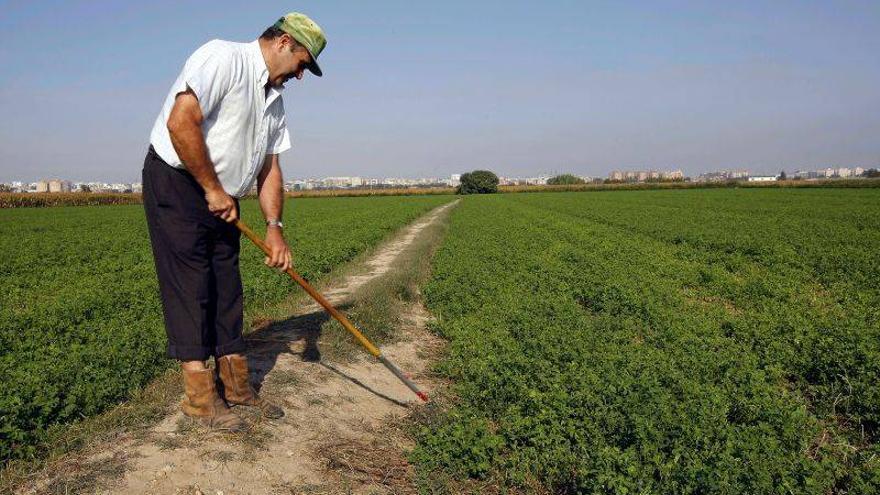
262, 71
259, 64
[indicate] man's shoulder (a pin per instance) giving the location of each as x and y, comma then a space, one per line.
219, 47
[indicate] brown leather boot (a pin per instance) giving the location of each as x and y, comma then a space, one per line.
205, 405
237, 387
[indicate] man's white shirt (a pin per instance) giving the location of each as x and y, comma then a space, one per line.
242, 122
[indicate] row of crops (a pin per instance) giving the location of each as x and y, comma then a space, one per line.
80, 316
702, 341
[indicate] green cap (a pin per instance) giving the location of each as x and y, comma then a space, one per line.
307, 33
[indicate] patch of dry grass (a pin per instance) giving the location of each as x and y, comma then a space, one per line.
375, 464
89, 477
380, 307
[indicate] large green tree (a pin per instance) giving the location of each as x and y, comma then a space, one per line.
478, 182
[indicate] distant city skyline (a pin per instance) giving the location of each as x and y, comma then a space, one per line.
607, 174
58, 184
421, 90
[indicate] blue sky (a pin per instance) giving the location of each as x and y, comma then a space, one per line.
429, 89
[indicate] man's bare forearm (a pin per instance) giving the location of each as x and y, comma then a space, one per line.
271, 193
270, 188
189, 143
185, 129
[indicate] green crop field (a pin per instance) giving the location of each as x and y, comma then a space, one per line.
80, 318
700, 341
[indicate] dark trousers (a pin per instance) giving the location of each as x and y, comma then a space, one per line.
196, 255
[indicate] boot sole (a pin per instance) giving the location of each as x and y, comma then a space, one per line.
205, 423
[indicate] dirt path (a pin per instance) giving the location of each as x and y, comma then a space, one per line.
328, 406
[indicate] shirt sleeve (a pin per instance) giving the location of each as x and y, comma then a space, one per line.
279, 141
208, 72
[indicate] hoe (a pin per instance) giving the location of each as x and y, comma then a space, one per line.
336, 314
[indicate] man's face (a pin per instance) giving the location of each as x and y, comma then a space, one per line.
293, 60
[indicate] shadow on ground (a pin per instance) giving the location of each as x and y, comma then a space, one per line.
266, 344
363, 385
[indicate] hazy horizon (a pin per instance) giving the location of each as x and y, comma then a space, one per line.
430, 90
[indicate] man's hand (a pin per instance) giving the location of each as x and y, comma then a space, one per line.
278, 246
221, 204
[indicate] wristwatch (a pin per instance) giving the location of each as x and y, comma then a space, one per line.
274, 223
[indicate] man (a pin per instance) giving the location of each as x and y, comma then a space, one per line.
222, 127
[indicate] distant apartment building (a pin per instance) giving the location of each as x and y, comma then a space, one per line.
830, 172
391, 181
645, 175
303, 184
762, 178
52, 186
724, 175
540, 180
342, 182
537, 181
56, 186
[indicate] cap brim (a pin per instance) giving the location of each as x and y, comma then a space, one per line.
313, 67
